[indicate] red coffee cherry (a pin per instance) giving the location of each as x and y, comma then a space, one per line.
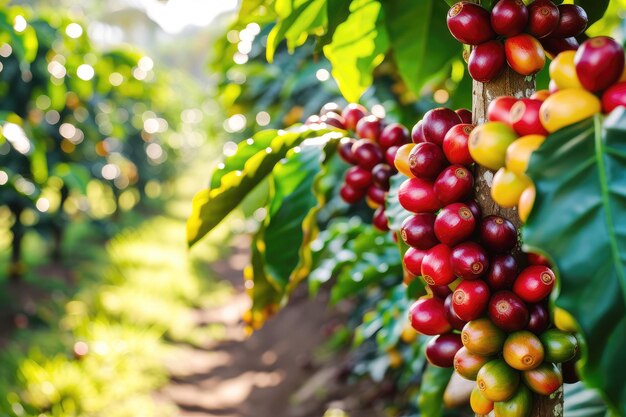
534, 283
428, 316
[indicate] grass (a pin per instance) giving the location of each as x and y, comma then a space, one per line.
98, 344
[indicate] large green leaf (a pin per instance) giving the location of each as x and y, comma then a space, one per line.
434, 383
419, 38
210, 206
578, 220
291, 201
245, 150
582, 402
297, 19
358, 46
337, 11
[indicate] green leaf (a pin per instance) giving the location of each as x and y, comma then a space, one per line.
337, 11
595, 9
245, 150
210, 206
291, 202
420, 41
577, 219
358, 46
582, 402
265, 295
434, 382
297, 20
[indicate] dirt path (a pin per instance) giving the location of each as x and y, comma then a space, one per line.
273, 373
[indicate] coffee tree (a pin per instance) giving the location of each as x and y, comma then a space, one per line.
505, 215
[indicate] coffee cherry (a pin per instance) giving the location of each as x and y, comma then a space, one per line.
570, 372
509, 17
401, 159
475, 209
502, 273
522, 350
381, 174
488, 143
507, 187
358, 177
393, 134
350, 194
427, 160
330, 108
333, 119
554, 46
563, 71
453, 319
465, 115
467, 364
599, 63
524, 54
417, 196
369, 127
544, 379
508, 311
540, 95
539, 318
345, 150
437, 122
352, 114
390, 156
454, 223
572, 21
482, 337
440, 350
499, 110
543, 18
479, 403
379, 219
428, 316
454, 184
417, 133
526, 202
537, 259
613, 97
367, 153
455, 145
470, 299
498, 234
469, 23
520, 404
376, 196
497, 381
312, 119
519, 152
566, 107
486, 61
436, 268
534, 283
418, 231
469, 260
525, 117
440, 291
413, 260
559, 345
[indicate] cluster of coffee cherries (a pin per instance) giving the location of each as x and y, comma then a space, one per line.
517, 127
514, 34
371, 151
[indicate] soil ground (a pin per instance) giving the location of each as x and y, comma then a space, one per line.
272, 373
